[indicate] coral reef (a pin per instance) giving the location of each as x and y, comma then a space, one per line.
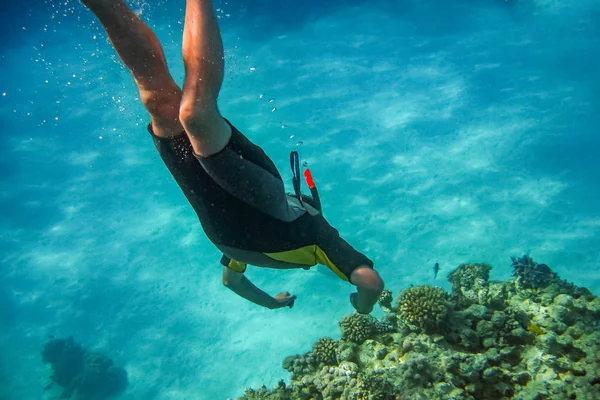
423, 307
534, 337
82, 374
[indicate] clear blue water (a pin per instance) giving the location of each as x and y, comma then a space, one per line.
450, 132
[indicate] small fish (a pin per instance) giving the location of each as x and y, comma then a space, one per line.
436, 268
535, 329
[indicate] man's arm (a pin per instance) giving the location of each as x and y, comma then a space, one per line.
238, 283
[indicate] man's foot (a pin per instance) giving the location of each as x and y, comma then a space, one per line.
358, 310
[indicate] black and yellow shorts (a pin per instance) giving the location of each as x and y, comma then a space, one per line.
241, 202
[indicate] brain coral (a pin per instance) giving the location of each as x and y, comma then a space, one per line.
425, 307
324, 350
357, 327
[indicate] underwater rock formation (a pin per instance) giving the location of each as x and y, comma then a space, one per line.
82, 374
534, 337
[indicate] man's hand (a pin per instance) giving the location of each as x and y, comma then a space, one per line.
284, 299
237, 282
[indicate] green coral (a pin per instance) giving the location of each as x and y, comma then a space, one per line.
357, 327
469, 276
324, 349
425, 307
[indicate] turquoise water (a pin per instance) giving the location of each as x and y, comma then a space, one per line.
436, 131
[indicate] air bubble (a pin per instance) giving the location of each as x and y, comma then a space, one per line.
261, 96
299, 143
305, 163
252, 69
274, 109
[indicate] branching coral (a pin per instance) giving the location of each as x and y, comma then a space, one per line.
324, 349
425, 307
357, 327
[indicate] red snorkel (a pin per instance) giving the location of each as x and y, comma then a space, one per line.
309, 179
313, 188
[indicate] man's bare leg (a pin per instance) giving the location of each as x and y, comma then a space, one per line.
204, 69
142, 53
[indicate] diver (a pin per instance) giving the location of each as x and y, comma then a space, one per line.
233, 186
